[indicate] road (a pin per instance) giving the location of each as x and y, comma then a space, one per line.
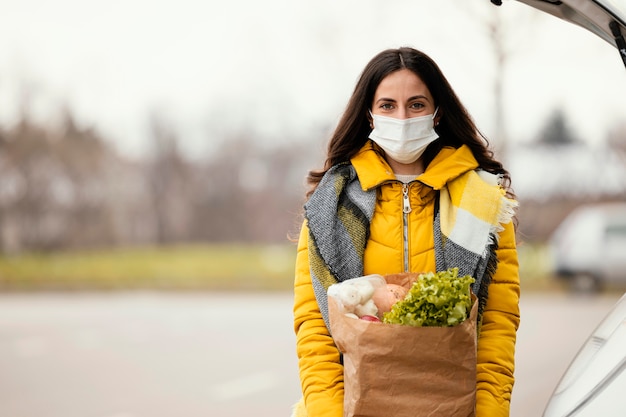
150, 354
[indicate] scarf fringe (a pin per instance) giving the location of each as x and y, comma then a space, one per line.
507, 210
298, 409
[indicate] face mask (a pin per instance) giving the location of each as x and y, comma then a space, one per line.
404, 140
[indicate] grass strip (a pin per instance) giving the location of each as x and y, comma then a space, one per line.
223, 267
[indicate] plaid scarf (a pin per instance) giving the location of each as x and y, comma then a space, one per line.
466, 229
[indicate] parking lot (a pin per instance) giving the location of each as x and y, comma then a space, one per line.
150, 354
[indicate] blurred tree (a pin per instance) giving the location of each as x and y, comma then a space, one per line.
169, 178
59, 188
221, 213
80, 186
26, 166
67, 188
497, 35
248, 193
503, 45
556, 131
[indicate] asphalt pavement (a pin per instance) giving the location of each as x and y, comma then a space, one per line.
153, 354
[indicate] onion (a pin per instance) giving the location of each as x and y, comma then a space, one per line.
386, 296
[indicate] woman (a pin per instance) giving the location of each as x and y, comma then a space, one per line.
409, 184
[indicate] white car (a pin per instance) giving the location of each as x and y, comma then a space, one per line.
589, 247
595, 383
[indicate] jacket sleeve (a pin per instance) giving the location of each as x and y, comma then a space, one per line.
321, 372
496, 343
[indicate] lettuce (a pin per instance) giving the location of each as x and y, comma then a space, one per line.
435, 299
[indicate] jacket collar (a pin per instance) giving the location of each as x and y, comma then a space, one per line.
373, 170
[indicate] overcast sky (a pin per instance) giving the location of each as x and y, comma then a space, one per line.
285, 68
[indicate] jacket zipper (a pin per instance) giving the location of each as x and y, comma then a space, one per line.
406, 209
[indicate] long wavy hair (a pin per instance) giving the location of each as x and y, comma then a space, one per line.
455, 127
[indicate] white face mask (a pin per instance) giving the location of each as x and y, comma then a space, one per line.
404, 140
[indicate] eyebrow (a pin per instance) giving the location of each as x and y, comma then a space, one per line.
410, 98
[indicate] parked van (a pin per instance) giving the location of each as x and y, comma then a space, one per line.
589, 247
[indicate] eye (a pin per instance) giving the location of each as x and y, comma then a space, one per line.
386, 106
417, 105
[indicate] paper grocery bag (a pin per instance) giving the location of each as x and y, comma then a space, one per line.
393, 370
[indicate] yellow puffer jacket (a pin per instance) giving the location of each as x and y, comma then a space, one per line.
321, 372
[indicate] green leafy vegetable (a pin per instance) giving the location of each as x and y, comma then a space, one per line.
435, 299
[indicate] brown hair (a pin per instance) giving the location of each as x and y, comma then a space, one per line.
455, 127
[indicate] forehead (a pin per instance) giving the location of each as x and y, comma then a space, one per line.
401, 83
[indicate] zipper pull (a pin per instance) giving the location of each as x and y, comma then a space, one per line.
405, 198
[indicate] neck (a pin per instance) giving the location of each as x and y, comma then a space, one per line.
416, 168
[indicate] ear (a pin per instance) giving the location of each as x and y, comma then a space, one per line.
369, 119
438, 116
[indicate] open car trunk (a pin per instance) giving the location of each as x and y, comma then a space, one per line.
604, 18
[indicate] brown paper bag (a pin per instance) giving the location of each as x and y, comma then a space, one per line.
393, 370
